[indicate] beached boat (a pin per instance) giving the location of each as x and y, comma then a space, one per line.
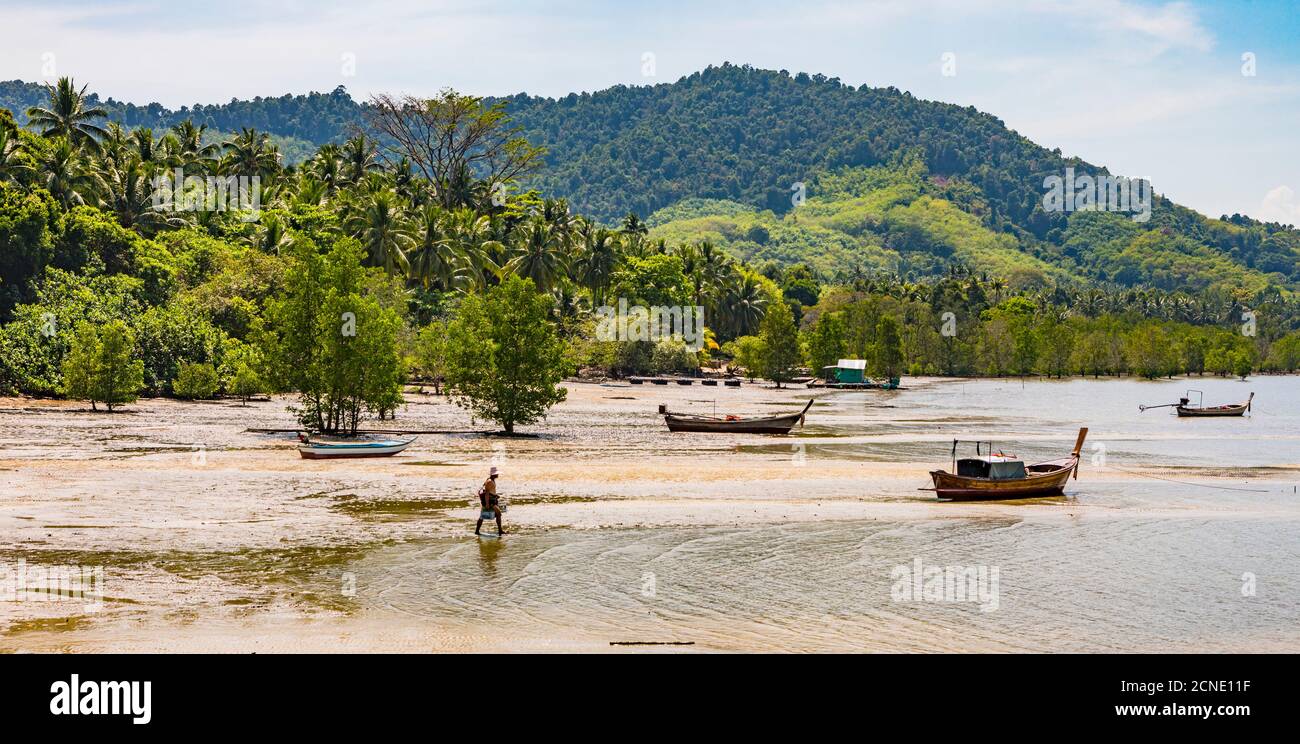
734, 424
318, 449
1002, 476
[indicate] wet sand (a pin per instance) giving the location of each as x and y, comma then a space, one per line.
212, 538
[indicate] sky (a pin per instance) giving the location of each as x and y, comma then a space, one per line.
1201, 98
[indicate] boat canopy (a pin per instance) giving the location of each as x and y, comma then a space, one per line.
993, 467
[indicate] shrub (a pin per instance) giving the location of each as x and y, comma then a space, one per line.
196, 380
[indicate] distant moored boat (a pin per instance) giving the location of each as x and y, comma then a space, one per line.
1185, 408
1231, 409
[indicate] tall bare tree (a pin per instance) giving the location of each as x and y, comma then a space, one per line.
452, 138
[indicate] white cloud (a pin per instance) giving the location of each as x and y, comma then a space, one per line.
1280, 205
1170, 26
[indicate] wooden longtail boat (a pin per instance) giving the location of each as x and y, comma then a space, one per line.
1238, 409
999, 476
734, 424
326, 449
1185, 409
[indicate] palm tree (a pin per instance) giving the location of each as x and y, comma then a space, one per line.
327, 167
185, 149
115, 149
68, 116
69, 177
10, 147
540, 255
407, 186
472, 235
569, 305
358, 155
251, 153
744, 304
311, 191
128, 193
555, 212
632, 225
462, 189
434, 259
597, 261
272, 235
714, 268
146, 146
382, 229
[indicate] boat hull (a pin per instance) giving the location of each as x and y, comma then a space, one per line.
781, 425
337, 451
1044, 479
1217, 411
714, 425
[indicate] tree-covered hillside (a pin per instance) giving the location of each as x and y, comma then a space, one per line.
252, 276
297, 124
901, 220
946, 180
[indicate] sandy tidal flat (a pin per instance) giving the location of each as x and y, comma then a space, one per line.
212, 538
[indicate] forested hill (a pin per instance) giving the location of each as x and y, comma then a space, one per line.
748, 135
315, 118
898, 183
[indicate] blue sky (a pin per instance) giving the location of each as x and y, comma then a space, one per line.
1149, 89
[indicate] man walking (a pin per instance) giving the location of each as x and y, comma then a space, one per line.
490, 501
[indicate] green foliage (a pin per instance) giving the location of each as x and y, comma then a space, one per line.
747, 353
168, 336
922, 226
1150, 351
34, 343
332, 342
1285, 353
431, 353
671, 356
799, 284
825, 343
504, 358
233, 285
887, 349
26, 220
196, 380
99, 367
780, 357
653, 280
241, 368
89, 237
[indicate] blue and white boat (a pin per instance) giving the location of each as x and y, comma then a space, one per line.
317, 449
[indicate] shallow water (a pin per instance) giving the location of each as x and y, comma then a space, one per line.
1179, 533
